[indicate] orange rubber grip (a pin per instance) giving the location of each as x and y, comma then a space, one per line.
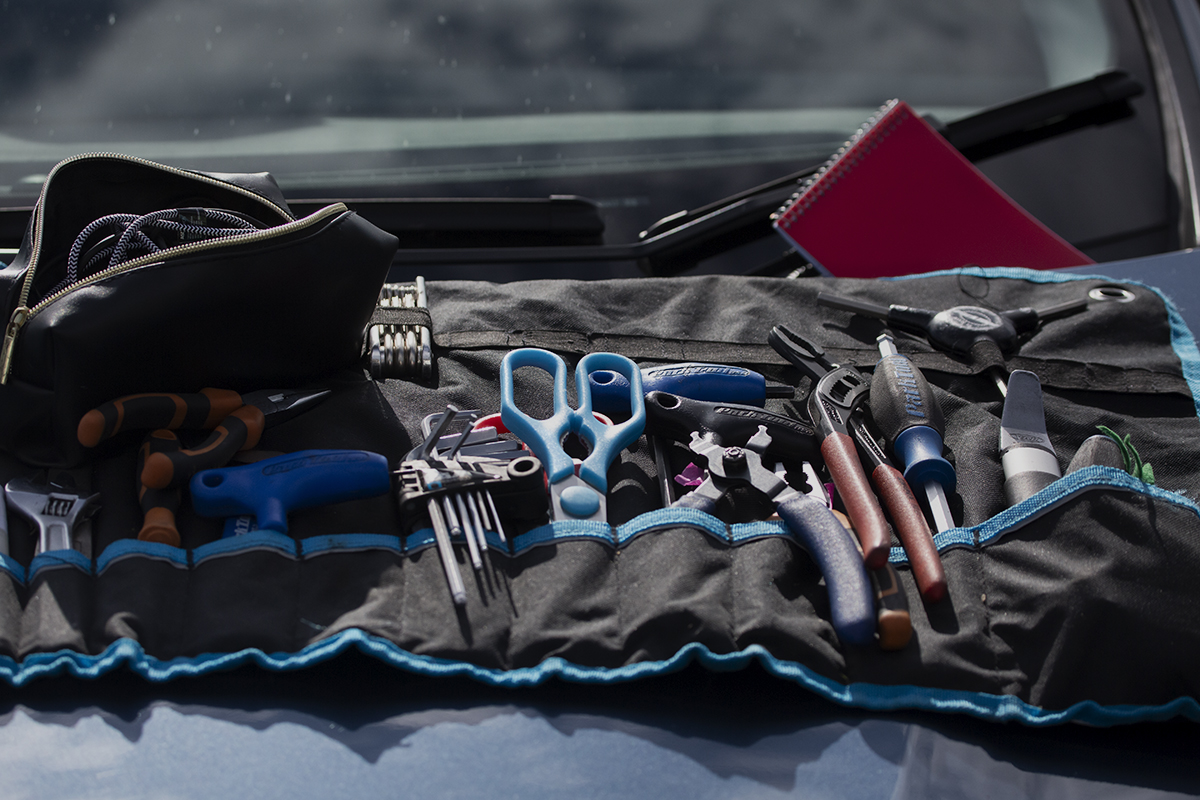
240, 430
871, 527
158, 505
913, 531
157, 410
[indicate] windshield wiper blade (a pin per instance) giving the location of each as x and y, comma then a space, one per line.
999, 129
675, 243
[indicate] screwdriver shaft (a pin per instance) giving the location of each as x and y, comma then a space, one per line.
938, 506
666, 486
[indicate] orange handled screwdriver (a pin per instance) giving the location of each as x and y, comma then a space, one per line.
158, 505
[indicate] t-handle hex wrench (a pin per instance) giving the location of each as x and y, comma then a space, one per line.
982, 335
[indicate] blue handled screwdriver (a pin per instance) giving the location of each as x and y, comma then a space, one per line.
910, 420
720, 383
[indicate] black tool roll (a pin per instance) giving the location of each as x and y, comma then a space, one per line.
1078, 604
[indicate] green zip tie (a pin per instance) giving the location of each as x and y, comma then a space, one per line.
1133, 461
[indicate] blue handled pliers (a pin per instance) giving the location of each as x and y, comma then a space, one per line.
579, 496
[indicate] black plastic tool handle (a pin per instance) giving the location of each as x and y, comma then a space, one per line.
901, 399
960, 328
675, 417
240, 430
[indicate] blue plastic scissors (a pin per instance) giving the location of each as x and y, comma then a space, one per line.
572, 496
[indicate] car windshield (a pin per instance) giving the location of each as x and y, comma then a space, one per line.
643, 107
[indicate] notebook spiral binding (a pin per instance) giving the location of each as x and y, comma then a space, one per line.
865, 139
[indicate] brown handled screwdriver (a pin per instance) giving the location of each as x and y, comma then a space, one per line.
906, 514
237, 420
158, 505
836, 394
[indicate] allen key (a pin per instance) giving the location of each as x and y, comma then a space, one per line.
456, 491
401, 351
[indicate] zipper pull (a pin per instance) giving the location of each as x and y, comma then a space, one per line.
10, 340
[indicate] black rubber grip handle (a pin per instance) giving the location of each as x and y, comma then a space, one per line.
901, 397
675, 417
157, 410
239, 430
851, 606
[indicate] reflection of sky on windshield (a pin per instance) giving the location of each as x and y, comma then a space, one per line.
211, 66
508, 754
672, 100
505, 751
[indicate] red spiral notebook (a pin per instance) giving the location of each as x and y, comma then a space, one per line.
898, 199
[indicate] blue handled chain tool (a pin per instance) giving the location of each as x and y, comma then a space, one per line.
581, 496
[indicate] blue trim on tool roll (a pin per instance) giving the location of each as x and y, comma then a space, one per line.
130, 548
340, 543
672, 518
255, 540
1085, 480
1007, 521
876, 697
14, 569
129, 654
563, 530
55, 559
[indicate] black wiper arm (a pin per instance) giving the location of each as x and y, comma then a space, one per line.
999, 129
1009, 126
474, 222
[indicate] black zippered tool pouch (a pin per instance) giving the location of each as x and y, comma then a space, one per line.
283, 302
1077, 604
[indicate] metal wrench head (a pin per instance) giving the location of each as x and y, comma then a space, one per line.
732, 466
55, 510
